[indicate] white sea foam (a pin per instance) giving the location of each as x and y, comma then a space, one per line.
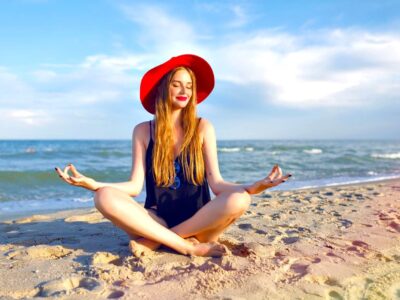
82, 199
313, 151
249, 149
30, 150
234, 149
386, 155
372, 173
363, 180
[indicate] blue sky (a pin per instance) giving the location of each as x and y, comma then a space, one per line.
284, 69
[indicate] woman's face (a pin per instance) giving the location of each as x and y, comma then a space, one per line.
180, 89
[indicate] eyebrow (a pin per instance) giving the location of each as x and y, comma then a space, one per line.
181, 81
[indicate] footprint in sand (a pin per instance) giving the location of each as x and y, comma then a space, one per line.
246, 226
344, 223
390, 219
249, 226
333, 295
106, 258
335, 258
360, 248
385, 285
244, 249
39, 252
290, 240
73, 285
115, 295
299, 268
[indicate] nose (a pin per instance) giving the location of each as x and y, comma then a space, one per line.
183, 91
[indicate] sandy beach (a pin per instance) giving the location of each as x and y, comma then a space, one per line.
339, 242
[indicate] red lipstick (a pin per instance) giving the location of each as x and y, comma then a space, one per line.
181, 98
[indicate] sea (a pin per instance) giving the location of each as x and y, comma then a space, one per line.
29, 183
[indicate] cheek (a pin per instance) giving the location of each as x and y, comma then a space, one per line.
173, 92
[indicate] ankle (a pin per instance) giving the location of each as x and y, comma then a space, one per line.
189, 249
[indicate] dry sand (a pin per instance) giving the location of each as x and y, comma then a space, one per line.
332, 243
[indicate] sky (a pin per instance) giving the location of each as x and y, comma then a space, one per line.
284, 69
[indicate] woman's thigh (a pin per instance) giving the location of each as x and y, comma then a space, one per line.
156, 218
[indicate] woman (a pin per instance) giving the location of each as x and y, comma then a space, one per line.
177, 155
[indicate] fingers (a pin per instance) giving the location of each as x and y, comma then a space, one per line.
281, 179
64, 176
279, 172
271, 175
74, 180
75, 171
66, 169
276, 173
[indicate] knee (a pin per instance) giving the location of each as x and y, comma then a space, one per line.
103, 200
237, 203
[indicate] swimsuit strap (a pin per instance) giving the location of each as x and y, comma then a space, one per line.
151, 134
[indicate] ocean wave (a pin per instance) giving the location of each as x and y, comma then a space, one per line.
386, 155
82, 199
111, 153
30, 150
249, 149
313, 151
226, 149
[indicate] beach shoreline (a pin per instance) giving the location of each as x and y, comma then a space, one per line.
16, 215
335, 242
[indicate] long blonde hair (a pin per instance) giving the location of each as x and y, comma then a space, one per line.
163, 151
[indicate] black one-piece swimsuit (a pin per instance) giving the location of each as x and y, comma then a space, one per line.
178, 202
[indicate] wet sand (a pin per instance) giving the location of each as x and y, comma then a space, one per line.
330, 243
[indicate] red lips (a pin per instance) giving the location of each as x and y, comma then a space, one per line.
181, 98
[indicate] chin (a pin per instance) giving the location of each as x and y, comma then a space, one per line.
180, 106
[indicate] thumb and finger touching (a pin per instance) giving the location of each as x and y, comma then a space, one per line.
75, 171
76, 178
271, 174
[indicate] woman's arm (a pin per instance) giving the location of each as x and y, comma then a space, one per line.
133, 186
214, 178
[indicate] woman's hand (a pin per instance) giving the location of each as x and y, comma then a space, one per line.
77, 179
273, 179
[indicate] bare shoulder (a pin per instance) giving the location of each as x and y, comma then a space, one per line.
205, 128
141, 132
204, 124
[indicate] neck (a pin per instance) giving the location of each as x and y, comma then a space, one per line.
176, 119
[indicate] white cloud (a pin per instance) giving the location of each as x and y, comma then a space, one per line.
240, 17
341, 67
319, 68
29, 117
159, 28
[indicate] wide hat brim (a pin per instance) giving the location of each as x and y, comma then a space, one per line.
202, 70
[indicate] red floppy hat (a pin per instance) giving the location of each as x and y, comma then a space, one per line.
201, 68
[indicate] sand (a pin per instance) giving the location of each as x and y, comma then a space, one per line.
332, 243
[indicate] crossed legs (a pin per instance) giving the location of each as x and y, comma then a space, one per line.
206, 225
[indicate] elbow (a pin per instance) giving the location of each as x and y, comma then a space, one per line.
217, 187
135, 188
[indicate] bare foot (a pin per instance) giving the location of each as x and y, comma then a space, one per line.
193, 240
210, 249
142, 246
